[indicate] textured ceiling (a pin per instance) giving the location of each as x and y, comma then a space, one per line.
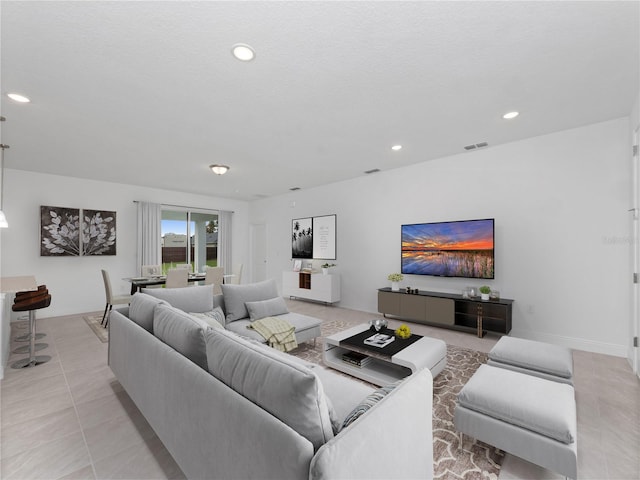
148, 93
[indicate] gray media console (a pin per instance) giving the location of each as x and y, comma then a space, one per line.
448, 310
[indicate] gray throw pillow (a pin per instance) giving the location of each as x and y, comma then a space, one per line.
141, 310
182, 332
369, 402
214, 318
266, 308
236, 296
198, 298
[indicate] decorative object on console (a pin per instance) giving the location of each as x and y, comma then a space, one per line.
326, 266
485, 291
403, 331
395, 279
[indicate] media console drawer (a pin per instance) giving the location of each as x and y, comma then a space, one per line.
448, 310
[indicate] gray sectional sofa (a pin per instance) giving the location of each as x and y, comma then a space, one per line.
227, 407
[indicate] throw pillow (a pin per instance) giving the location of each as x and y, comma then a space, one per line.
236, 296
198, 298
214, 318
266, 308
371, 400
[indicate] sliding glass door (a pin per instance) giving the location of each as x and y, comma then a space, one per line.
189, 237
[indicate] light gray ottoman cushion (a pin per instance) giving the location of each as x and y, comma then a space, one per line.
539, 405
544, 360
307, 328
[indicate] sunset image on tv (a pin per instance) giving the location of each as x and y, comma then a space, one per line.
449, 249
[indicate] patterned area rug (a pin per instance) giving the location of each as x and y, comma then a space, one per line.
94, 323
476, 460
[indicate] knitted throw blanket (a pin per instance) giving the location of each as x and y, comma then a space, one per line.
278, 333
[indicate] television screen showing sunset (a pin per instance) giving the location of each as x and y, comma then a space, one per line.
450, 249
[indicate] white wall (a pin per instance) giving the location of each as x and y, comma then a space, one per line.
560, 203
75, 283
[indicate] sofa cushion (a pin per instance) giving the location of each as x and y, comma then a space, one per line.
198, 298
266, 308
141, 310
235, 297
285, 388
182, 332
242, 328
214, 318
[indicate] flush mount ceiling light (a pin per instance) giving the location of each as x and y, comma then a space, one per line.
219, 169
243, 52
510, 115
16, 97
396, 148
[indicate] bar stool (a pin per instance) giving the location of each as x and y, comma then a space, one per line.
30, 302
20, 296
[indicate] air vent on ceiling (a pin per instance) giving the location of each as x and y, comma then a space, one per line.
473, 146
293, 189
374, 170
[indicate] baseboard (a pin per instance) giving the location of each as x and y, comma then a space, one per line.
574, 343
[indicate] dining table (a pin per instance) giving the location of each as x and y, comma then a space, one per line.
137, 283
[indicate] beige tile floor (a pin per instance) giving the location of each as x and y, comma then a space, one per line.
70, 418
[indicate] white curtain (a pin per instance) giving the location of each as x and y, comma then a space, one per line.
149, 246
224, 241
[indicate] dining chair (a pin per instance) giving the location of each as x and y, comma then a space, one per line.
214, 275
177, 278
111, 298
151, 270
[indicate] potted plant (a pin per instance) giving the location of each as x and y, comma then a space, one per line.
326, 266
395, 279
484, 292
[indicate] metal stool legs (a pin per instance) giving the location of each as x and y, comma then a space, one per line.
33, 359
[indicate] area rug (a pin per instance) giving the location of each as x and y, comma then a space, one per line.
94, 323
476, 460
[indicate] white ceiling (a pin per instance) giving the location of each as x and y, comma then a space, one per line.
148, 93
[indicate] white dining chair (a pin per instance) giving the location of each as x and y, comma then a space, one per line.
236, 276
111, 298
151, 270
186, 266
215, 276
177, 278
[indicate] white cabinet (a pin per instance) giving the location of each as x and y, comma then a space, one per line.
311, 286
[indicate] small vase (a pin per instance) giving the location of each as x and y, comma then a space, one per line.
325, 271
484, 296
395, 286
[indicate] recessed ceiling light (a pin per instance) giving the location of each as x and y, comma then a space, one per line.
243, 52
396, 147
510, 115
18, 98
219, 169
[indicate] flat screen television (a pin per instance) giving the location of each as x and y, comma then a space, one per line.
449, 249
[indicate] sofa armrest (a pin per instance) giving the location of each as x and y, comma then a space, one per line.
394, 439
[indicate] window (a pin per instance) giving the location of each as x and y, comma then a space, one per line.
189, 236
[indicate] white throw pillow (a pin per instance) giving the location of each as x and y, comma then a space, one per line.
214, 318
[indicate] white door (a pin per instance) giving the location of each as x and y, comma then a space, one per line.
635, 320
258, 252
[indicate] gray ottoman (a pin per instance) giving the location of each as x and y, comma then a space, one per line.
541, 359
524, 415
